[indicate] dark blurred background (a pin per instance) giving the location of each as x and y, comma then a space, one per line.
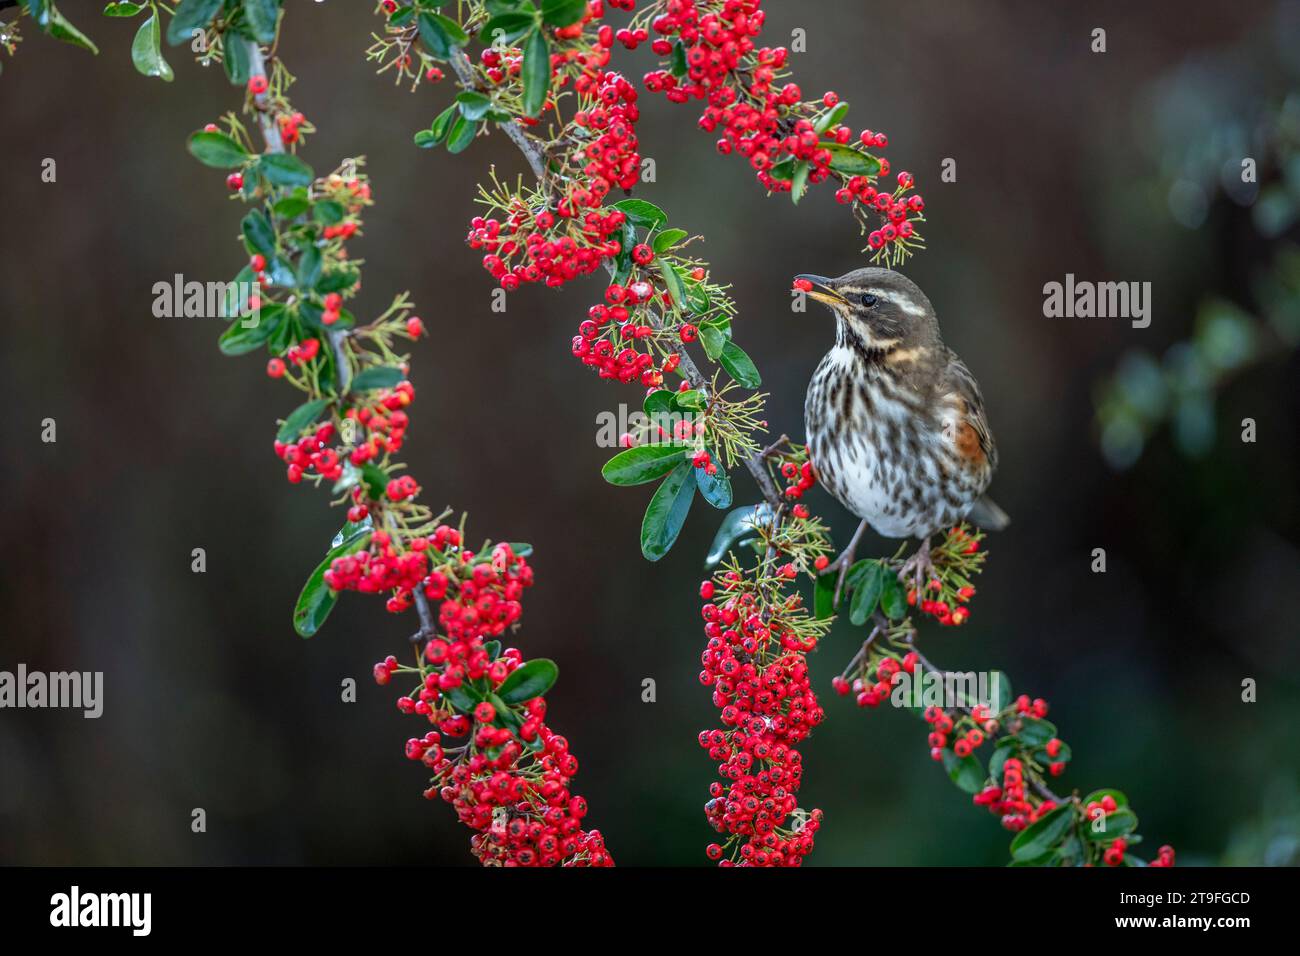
1067, 161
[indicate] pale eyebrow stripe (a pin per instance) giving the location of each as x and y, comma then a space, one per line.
908, 306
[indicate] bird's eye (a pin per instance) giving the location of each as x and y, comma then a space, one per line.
868, 299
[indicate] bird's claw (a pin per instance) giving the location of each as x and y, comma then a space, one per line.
843, 563
919, 567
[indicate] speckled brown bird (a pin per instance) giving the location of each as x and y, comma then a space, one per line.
895, 422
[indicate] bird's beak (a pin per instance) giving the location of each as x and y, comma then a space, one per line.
822, 291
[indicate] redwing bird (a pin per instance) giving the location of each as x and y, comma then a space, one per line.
895, 421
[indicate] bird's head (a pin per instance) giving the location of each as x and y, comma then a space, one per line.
883, 310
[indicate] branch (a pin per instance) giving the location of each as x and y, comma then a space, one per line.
465, 73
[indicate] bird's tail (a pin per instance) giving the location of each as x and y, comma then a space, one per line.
987, 515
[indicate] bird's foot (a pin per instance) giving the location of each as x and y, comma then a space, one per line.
842, 564
918, 567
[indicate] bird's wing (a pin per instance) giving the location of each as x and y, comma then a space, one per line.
966, 421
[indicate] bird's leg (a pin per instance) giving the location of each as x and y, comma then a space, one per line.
844, 562
919, 566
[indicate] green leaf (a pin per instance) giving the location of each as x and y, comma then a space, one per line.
461, 135
1003, 750
832, 117
713, 341
473, 104
658, 402
258, 234
715, 488
866, 593
291, 207
302, 416
506, 28
738, 523
376, 480
51, 21
562, 13
441, 35
317, 598
536, 71
739, 365
309, 265
636, 466
893, 601
240, 339
1119, 823
667, 512
642, 213
847, 160
328, 211
799, 182
965, 772
261, 17
378, 376
191, 15
123, 9
1000, 685
530, 679
673, 280
285, 169
667, 239
678, 63
1034, 732
146, 51
1040, 838
824, 596
217, 150
234, 60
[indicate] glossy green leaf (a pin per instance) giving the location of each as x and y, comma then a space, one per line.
261, 17
847, 160
831, 117
234, 60
461, 134
1042, 837
217, 150
667, 239
1119, 823
241, 338
191, 15
893, 599
713, 341
562, 13
965, 772
317, 599
146, 51
302, 416
259, 236
667, 512
505, 28
673, 282
738, 523
530, 679
739, 365
536, 71
799, 181
1034, 732
824, 596
441, 35
473, 104
123, 9
636, 466
285, 169
379, 376
309, 266
642, 213
715, 488
866, 593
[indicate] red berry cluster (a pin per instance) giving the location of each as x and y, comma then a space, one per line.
576, 237
801, 477
767, 707
509, 782
616, 339
765, 119
1009, 801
